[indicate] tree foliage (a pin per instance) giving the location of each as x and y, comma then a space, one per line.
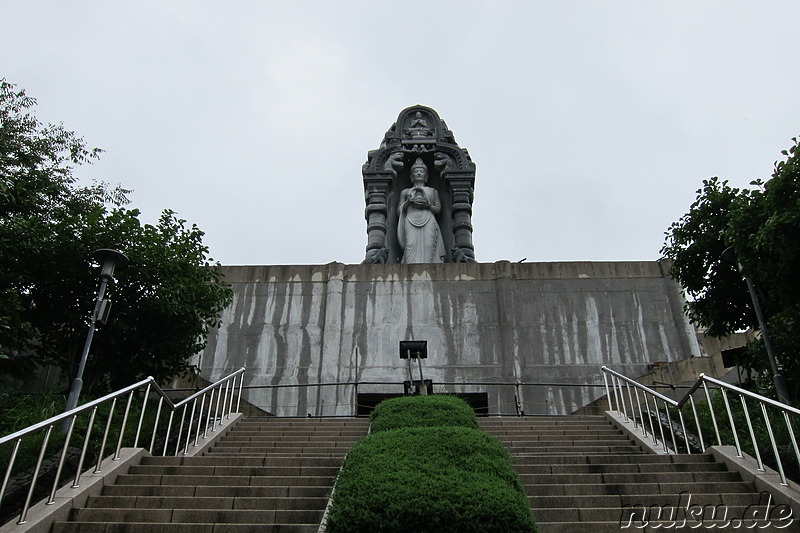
762, 228
165, 300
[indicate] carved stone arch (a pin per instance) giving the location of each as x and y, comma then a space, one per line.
418, 133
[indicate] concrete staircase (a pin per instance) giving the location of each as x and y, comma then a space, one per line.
265, 474
583, 474
580, 473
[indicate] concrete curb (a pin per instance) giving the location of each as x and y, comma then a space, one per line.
646, 443
41, 516
767, 481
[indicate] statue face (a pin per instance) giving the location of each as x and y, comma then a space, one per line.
419, 173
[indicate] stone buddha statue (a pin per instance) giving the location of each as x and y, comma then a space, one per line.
417, 230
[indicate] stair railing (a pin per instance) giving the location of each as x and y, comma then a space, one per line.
216, 403
632, 401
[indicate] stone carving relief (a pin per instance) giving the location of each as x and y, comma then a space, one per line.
418, 189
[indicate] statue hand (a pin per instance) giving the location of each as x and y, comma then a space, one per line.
421, 203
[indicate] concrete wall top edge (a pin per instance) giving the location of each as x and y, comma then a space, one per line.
444, 271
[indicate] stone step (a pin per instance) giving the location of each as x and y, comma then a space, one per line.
185, 470
281, 455
128, 479
652, 526
586, 513
617, 501
208, 502
264, 475
304, 423
574, 486
231, 491
527, 432
639, 458
583, 440
331, 449
281, 433
285, 442
557, 449
631, 478
202, 516
150, 527
619, 468
634, 489
573, 420
263, 460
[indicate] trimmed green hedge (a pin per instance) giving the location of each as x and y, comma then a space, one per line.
422, 411
422, 477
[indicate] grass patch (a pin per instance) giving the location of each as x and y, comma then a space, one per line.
426, 467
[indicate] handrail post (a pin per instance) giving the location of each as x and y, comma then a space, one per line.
27, 504
122, 429
200, 417
774, 446
141, 416
105, 436
76, 482
671, 429
650, 417
189, 429
791, 434
608, 392
239, 398
151, 449
630, 402
641, 414
713, 414
11, 460
685, 434
180, 429
51, 500
697, 424
224, 403
753, 434
622, 400
732, 423
217, 416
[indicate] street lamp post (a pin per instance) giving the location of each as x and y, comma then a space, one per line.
110, 260
777, 378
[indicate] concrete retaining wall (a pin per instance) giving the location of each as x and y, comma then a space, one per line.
534, 323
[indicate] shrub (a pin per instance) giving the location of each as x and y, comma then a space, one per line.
428, 468
422, 411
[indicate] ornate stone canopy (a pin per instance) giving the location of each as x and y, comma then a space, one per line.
419, 133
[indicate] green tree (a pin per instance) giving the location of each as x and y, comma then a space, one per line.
165, 301
762, 227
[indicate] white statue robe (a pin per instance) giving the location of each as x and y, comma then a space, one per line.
417, 231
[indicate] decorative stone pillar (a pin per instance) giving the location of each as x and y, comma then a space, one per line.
461, 195
377, 187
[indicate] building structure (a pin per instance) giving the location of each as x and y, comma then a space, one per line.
319, 340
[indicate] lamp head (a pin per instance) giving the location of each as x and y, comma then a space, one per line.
110, 259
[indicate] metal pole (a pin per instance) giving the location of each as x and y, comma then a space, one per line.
423, 390
77, 383
777, 377
109, 259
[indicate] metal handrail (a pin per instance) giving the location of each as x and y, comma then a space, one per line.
517, 404
616, 400
220, 396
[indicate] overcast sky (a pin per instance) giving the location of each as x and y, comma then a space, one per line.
591, 123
